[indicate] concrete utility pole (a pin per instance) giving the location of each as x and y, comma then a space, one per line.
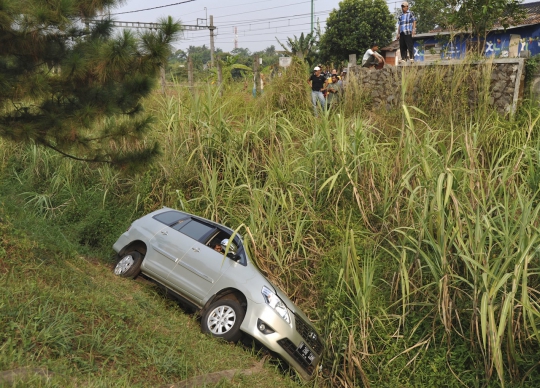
312, 17
256, 76
212, 28
162, 76
190, 72
219, 73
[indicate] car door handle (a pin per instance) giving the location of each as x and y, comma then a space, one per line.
195, 249
164, 232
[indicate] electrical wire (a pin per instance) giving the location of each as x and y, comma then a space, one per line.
264, 9
237, 5
266, 20
148, 9
234, 22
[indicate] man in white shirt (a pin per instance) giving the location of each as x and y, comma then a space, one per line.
371, 57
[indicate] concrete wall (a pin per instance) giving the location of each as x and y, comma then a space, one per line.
506, 82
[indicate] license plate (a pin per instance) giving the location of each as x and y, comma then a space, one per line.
305, 353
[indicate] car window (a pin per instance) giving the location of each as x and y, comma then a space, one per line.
195, 229
170, 217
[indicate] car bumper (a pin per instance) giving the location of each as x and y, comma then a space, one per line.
284, 339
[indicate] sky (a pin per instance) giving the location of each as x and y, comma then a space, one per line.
258, 23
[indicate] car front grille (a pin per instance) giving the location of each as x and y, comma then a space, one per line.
290, 348
308, 334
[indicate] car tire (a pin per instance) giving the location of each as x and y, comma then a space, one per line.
129, 265
222, 319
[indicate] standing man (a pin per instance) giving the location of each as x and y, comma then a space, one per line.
334, 91
317, 82
406, 30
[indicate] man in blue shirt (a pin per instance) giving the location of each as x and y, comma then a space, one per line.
406, 30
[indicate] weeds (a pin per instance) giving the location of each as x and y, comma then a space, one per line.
409, 235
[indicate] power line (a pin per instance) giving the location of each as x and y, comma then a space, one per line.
244, 21
266, 20
148, 9
265, 9
232, 5
266, 33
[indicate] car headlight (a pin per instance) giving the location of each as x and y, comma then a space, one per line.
276, 303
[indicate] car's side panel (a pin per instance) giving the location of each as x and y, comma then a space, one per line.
246, 279
142, 229
198, 270
166, 248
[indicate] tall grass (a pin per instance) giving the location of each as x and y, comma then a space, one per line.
409, 236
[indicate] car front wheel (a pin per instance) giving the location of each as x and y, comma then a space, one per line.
222, 319
129, 265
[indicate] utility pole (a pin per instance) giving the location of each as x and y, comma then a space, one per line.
219, 73
212, 28
190, 72
162, 77
256, 77
311, 17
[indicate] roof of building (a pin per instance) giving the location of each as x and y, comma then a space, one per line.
533, 13
394, 46
533, 17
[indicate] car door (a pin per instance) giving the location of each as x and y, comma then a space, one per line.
167, 245
201, 267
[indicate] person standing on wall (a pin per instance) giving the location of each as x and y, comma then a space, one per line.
406, 30
317, 82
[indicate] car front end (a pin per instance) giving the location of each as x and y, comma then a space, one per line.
281, 326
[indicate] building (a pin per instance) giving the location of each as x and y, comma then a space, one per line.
391, 53
520, 41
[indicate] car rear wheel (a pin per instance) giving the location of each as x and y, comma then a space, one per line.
129, 265
223, 318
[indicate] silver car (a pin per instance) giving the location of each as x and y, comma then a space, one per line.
205, 264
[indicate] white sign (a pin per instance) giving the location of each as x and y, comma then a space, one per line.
285, 61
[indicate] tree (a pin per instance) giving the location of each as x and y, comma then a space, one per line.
303, 47
270, 51
241, 52
232, 69
269, 56
76, 88
480, 16
354, 26
430, 13
178, 56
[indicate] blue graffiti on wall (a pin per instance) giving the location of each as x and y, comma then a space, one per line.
452, 50
419, 52
497, 47
529, 45
520, 41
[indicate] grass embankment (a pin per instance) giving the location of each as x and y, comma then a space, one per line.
408, 236
66, 315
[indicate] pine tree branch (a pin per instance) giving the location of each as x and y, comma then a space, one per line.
45, 143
